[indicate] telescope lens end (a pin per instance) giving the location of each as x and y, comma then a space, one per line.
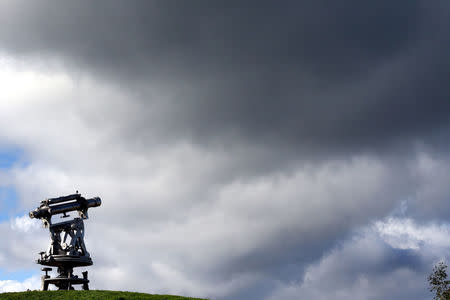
98, 201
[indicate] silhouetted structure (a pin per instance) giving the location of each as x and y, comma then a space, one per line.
64, 254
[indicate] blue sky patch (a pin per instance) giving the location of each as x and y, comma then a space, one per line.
10, 156
19, 275
8, 202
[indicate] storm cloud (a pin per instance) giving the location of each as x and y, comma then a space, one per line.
311, 74
252, 145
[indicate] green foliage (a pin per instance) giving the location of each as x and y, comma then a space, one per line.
89, 295
439, 283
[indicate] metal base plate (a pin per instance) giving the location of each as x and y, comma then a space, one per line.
68, 261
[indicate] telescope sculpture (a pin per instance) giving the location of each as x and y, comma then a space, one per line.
62, 253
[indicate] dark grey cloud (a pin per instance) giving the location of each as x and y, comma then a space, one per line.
204, 35
304, 76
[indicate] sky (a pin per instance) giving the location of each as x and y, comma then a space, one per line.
242, 150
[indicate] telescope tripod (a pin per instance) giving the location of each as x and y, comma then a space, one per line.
65, 280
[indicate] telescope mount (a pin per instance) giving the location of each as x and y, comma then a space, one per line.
67, 249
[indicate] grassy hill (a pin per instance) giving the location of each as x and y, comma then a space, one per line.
91, 295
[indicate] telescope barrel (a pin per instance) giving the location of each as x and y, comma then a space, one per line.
63, 208
62, 199
81, 204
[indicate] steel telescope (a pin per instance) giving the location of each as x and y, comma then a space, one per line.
63, 205
67, 249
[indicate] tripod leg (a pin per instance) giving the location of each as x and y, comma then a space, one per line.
85, 285
44, 285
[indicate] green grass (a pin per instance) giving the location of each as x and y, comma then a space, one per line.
91, 295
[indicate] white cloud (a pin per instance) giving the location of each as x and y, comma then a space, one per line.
32, 283
25, 224
407, 234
